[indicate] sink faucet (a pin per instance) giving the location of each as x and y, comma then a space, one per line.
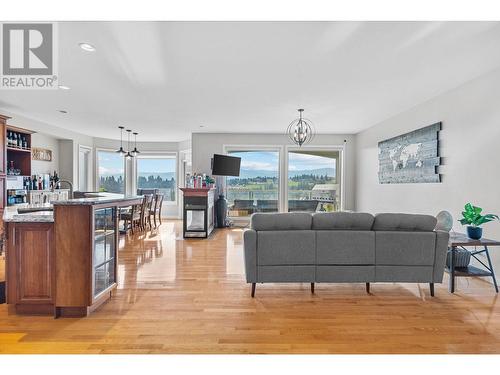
70, 187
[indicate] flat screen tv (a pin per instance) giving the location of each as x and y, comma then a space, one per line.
223, 165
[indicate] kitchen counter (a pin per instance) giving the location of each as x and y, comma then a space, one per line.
99, 198
61, 258
46, 214
11, 214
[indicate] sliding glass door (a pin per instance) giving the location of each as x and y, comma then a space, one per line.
313, 180
257, 187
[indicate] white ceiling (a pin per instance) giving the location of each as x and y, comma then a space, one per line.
166, 79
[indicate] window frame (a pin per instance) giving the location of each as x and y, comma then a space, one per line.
158, 155
97, 178
90, 166
341, 164
273, 148
283, 163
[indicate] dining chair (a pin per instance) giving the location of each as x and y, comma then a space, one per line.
156, 211
132, 217
145, 217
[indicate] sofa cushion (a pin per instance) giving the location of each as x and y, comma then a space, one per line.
405, 248
404, 222
281, 221
345, 247
286, 274
403, 274
286, 247
345, 274
342, 221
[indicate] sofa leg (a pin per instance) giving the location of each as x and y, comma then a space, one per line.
431, 286
253, 290
368, 288
312, 288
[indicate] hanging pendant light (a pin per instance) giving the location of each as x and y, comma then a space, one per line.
128, 155
301, 130
135, 151
121, 151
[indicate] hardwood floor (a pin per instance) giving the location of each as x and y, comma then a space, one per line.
189, 296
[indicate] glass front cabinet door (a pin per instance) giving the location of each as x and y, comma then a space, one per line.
104, 257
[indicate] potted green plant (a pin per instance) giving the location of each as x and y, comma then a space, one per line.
471, 216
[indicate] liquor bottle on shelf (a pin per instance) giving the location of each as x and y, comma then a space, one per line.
10, 171
19, 141
25, 143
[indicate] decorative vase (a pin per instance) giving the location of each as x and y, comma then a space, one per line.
474, 233
221, 211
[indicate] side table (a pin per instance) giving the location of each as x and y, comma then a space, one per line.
461, 240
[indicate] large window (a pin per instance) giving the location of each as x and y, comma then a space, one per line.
313, 180
110, 172
257, 187
158, 172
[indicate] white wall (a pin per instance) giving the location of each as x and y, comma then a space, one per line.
469, 145
48, 142
205, 145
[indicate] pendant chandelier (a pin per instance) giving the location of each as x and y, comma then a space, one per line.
135, 151
301, 130
129, 155
121, 151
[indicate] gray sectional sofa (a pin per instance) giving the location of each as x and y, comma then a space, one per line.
344, 247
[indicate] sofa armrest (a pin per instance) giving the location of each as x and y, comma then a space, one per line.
250, 249
440, 256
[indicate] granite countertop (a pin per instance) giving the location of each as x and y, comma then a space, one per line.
46, 214
11, 214
98, 198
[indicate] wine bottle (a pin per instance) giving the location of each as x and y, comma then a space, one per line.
19, 141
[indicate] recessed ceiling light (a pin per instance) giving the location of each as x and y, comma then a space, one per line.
87, 47
62, 111
63, 87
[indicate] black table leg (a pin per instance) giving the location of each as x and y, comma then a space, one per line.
452, 269
491, 268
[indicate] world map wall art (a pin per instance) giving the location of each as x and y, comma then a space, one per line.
410, 158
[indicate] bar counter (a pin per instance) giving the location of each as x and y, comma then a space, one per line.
61, 258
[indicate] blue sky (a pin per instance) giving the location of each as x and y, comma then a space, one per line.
111, 163
269, 160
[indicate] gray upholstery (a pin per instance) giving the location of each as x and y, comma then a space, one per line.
250, 249
405, 248
345, 274
404, 274
344, 247
286, 247
342, 221
286, 274
404, 222
440, 256
285, 221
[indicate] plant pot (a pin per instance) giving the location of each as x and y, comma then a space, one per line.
474, 233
